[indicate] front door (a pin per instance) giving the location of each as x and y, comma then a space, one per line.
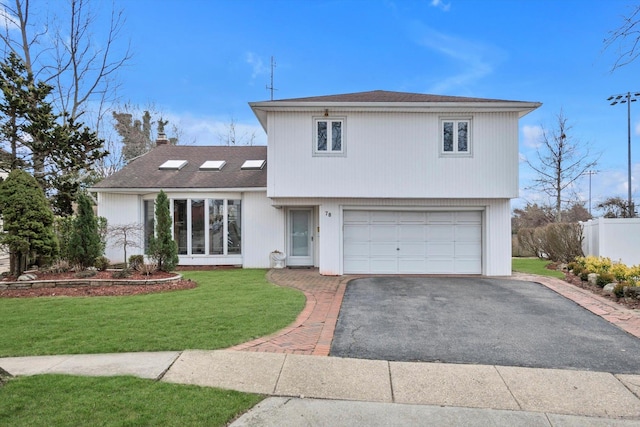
300, 237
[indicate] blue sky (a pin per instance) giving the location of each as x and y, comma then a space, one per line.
201, 62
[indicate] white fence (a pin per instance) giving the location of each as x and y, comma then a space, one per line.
615, 238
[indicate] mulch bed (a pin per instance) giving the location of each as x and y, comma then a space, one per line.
111, 290
576, 281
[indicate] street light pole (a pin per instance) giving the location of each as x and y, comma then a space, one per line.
627, 98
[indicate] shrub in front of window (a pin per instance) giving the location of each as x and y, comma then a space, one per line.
162, 248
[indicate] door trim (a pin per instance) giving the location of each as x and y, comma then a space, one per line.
307, 260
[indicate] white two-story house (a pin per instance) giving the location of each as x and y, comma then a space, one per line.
364, 183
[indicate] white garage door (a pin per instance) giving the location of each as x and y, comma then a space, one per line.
408, 242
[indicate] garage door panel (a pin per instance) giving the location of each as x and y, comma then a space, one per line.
469, 217
443, 233
412, 242
384, 217
412, 217
357, 249
412, 265
466, 250
415, 233
358, 233
468, 233
357, 265
412, 249
355, 217
380, 265
440, 217
441, 249
383, 233
383, 249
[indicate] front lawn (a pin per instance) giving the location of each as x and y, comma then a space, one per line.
60, 400
227, 308
534, 266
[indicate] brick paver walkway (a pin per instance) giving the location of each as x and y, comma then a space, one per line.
312, 331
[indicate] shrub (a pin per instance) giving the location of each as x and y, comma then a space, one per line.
584, 275
577, 269
572, 265
121, 274
162, 248
135, 261
561, 242
529, 241
85, 245
605, 278
60, 266
147, 269
618, 290
102, 263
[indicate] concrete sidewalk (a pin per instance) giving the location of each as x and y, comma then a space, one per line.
462, 394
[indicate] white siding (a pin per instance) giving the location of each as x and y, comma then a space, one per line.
120, 209
393, 155
496, 228
263, 230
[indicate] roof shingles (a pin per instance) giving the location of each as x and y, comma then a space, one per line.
144, 171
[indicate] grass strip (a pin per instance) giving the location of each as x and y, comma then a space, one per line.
227, 308
534, 266
61, 400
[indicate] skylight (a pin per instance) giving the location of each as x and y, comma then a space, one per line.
253, 164
173, 164
212, 165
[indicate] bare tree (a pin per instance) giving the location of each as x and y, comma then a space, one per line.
231, 135
560, 161
61, 48
627, 39
125, 235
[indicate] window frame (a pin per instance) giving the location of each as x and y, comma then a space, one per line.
233, 248
456, 120
329, 152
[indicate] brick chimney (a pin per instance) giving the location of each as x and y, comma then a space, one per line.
162, 139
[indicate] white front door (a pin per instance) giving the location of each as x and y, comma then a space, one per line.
300, 251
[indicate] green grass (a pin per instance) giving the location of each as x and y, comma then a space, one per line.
227, 308
60, 400
534, 266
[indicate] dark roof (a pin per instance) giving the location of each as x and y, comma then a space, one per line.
144, 171
388, 96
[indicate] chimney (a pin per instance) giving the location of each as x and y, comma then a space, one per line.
162, 139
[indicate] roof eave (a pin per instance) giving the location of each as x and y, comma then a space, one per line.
143, 190
260, 108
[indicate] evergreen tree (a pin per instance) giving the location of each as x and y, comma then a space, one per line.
56, 149
28, 222
85, 245
162, 248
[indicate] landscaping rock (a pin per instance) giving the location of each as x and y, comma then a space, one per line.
632, 292
27, 277
608, 288
592, 278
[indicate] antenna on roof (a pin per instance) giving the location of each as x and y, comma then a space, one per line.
271, 88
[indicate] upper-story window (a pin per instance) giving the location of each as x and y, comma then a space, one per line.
456, 136
329, 136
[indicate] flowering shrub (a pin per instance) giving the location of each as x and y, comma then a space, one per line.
604, 266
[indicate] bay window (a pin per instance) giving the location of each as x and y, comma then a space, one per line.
201, 226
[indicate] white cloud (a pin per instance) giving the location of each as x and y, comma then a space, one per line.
209, 130
475, 59
256, 64
531, 136
441, 5
8, 21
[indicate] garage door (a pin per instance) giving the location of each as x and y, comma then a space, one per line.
408, 242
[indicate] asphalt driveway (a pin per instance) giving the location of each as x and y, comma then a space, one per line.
477, 321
